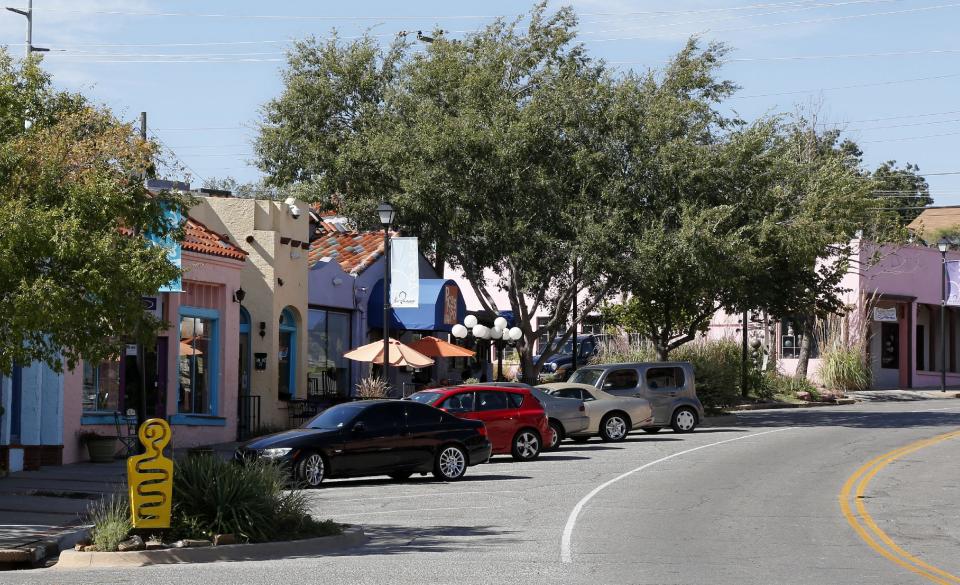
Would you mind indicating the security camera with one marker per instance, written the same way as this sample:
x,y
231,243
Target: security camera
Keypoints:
x,y
295,211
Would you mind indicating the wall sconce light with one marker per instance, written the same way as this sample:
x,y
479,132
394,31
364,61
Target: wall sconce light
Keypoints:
x,y
263,329
239,295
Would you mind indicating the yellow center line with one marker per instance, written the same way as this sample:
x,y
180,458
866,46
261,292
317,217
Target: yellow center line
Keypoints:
x,y
871,533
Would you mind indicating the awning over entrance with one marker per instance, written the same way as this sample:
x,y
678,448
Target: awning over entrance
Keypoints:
x,y
441,307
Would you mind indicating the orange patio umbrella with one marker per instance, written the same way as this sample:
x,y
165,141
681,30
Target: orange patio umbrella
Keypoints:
x,y
435,347
400,354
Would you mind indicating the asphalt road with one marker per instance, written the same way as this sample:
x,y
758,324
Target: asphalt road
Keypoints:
x,y
755,503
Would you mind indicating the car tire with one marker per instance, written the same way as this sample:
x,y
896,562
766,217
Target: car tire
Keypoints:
x,y
614,427
556,429
581,439
526,445
403,476
311,469
651,430
684,420
450,463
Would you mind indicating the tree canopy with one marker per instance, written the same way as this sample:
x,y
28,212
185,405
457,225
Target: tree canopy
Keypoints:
x,y
511,152
74,254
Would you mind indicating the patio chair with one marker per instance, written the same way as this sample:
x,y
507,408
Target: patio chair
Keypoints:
x,y
126,433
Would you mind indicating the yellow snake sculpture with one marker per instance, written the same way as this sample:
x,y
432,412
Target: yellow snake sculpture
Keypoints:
x,y
150,477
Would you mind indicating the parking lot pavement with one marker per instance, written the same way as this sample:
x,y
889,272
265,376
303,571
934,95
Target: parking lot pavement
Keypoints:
x,y
752,503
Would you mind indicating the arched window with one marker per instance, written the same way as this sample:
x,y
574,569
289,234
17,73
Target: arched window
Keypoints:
x,y
287,356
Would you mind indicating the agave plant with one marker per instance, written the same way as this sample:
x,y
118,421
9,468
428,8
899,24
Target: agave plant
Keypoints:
x,y
372,388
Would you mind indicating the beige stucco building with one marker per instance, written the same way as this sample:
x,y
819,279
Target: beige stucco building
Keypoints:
x,y
272,339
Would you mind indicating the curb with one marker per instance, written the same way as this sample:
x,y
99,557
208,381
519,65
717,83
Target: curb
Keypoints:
x,y
352,536
35,552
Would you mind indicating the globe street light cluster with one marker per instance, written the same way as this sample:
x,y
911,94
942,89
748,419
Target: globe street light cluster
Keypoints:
x,y
498,331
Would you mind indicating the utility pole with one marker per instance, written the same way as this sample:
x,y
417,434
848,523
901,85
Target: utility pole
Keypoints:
x,y
141,361
28,14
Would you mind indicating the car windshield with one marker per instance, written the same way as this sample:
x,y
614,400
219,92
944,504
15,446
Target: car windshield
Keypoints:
x,y
335,417
424,397
586,376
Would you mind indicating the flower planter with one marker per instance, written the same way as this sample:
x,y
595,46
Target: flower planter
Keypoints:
x,y
101,449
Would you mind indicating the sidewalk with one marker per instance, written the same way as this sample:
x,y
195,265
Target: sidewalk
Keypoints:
x,y
903,395
41,512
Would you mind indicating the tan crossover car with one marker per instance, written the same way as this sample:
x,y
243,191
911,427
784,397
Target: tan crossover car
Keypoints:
x,y
611,417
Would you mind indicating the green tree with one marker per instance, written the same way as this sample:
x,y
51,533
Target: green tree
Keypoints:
x,y
74,260
487,146
903,189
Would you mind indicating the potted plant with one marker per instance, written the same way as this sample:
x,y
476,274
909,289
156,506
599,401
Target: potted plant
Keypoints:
x,y
101,448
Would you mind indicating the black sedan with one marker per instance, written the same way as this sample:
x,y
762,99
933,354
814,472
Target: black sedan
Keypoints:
x,y
376,437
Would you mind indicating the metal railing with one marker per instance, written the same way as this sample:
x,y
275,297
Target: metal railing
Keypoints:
x,y
248,416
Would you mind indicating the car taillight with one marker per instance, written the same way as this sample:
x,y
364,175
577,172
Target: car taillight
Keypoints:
x,y
482,430
582,408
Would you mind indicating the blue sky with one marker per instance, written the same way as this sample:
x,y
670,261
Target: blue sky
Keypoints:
x,y
886,71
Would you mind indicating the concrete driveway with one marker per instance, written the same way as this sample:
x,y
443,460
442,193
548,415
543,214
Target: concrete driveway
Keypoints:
x,y
758,502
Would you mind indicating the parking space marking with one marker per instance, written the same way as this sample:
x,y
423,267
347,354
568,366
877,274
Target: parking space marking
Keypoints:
x,y
440,494
566,554
417,510
863,523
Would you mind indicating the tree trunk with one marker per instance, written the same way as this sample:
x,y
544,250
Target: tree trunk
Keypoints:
x,y
805,341
663,352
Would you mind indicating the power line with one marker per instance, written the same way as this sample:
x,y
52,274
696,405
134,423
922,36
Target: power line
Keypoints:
x,y
847,55
854,86
808,21
933,122
910,138
903,117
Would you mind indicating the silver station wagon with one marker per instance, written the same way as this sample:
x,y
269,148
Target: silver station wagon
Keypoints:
x,y
669,386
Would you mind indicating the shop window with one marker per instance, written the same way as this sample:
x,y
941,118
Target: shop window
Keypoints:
x,y
287,356
198,361
101,387
591,325
791,338
328,338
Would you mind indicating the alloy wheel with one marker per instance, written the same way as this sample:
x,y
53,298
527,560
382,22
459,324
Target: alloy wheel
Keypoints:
x,y
452,462
528,445
616,428
313,470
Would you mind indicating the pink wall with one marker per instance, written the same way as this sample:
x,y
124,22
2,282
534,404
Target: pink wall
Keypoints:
x,y
209,282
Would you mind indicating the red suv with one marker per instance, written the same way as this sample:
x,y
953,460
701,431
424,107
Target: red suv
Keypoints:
x,y
515,420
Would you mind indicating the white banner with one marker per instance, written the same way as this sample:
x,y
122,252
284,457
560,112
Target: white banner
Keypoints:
x,y
404,273
953,283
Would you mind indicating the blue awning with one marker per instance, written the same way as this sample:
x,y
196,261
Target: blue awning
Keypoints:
x,y
441,307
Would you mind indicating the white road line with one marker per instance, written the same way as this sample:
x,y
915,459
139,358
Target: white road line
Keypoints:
x,y
418,510
566,555
423,495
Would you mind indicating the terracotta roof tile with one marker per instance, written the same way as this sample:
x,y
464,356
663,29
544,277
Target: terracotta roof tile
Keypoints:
x,y
933,219
354,251
199,238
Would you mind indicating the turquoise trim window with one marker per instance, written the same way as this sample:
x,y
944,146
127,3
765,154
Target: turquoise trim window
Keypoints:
x,y
198,361
287,356
101,387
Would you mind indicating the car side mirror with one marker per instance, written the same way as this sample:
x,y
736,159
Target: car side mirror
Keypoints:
x,y
359,427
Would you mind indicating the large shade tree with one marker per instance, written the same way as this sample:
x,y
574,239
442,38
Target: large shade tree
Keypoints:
x,y
488,146
75,258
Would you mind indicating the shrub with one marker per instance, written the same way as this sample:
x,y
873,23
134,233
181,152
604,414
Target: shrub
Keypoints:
x,y
776,384
213,496
111,522
371,388
845,368
716,365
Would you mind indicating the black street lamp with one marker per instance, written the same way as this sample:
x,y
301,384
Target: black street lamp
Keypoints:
x,y
943,246
387,214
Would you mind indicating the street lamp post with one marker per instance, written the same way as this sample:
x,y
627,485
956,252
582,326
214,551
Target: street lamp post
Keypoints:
x,y
943,246
499,334
387,214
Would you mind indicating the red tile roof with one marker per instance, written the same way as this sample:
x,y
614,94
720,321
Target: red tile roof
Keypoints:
x,y
354,251
199,238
